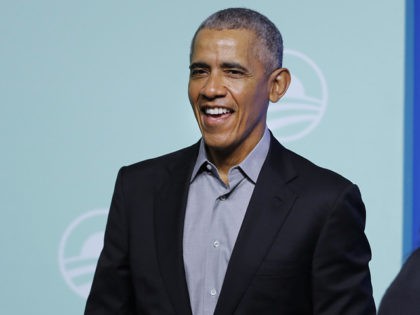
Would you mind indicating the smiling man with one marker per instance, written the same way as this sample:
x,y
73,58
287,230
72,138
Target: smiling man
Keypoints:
x,y
229,90
235,224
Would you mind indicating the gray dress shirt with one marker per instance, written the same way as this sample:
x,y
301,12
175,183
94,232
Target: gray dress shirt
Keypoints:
x,y
213,218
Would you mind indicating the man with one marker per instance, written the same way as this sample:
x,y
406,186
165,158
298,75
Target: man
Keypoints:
x,y
403,295
235,224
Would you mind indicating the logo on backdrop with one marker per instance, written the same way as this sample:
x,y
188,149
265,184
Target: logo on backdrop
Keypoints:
x,y
79,250
304,103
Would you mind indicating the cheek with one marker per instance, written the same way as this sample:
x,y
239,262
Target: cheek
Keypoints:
x,y
237,87
192,92
246,89
245,96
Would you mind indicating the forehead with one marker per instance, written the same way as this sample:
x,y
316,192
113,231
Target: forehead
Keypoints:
x,y
226,42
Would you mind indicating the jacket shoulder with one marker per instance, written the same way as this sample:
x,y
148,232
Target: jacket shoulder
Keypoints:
x,y
158,167
312,172
306,172
312,181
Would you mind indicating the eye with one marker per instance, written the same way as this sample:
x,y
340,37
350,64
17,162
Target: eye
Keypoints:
x,y
197,72
235,72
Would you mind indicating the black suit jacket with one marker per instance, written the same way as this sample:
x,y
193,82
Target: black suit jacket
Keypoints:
x,y
301,248
403,295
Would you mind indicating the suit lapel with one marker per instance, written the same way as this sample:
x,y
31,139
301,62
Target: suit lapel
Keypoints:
x,y
169,224
268,208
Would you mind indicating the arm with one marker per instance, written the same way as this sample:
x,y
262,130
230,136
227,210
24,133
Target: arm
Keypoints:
x,y
111,291
341,279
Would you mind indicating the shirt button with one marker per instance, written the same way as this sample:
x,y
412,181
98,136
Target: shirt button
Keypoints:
x,y
216,244
213,292
208,166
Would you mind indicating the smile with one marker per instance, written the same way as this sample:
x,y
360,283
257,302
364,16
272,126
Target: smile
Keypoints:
x,y
216,111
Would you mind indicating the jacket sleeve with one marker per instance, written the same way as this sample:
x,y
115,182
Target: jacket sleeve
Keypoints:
x,y
111,291
341,281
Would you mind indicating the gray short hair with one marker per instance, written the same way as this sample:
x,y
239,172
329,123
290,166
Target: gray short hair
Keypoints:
x,y
271,50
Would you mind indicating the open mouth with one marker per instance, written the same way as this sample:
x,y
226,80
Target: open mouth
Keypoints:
x,y
216,111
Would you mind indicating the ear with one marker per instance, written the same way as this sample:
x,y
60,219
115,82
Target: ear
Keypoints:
x,y
279,82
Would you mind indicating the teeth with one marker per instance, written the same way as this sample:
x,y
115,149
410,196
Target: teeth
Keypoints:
x,y
216,111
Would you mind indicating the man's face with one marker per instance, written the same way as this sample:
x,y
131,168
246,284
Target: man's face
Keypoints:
x,y
228,90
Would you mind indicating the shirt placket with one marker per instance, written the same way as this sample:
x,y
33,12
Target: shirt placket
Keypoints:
x,y
214,246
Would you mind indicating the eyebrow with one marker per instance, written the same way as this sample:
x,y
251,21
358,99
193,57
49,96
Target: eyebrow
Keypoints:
x,y
199,65
224,65
233,65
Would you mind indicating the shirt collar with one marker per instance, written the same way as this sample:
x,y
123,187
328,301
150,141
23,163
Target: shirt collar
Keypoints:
x,y
251,165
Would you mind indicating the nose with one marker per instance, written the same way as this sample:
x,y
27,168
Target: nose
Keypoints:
x,y
213,86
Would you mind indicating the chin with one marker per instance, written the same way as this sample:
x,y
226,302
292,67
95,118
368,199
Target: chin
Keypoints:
x,y
219,145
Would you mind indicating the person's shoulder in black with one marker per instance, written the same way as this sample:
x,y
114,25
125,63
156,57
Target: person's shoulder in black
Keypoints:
x,y
403,295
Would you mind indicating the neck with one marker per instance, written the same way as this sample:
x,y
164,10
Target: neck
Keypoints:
x,y
225,158
223,161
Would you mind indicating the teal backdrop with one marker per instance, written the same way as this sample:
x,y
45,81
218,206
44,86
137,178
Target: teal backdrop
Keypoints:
x,y
89,86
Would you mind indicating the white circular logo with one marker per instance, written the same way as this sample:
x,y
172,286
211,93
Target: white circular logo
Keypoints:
x,y
79,250
304,103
